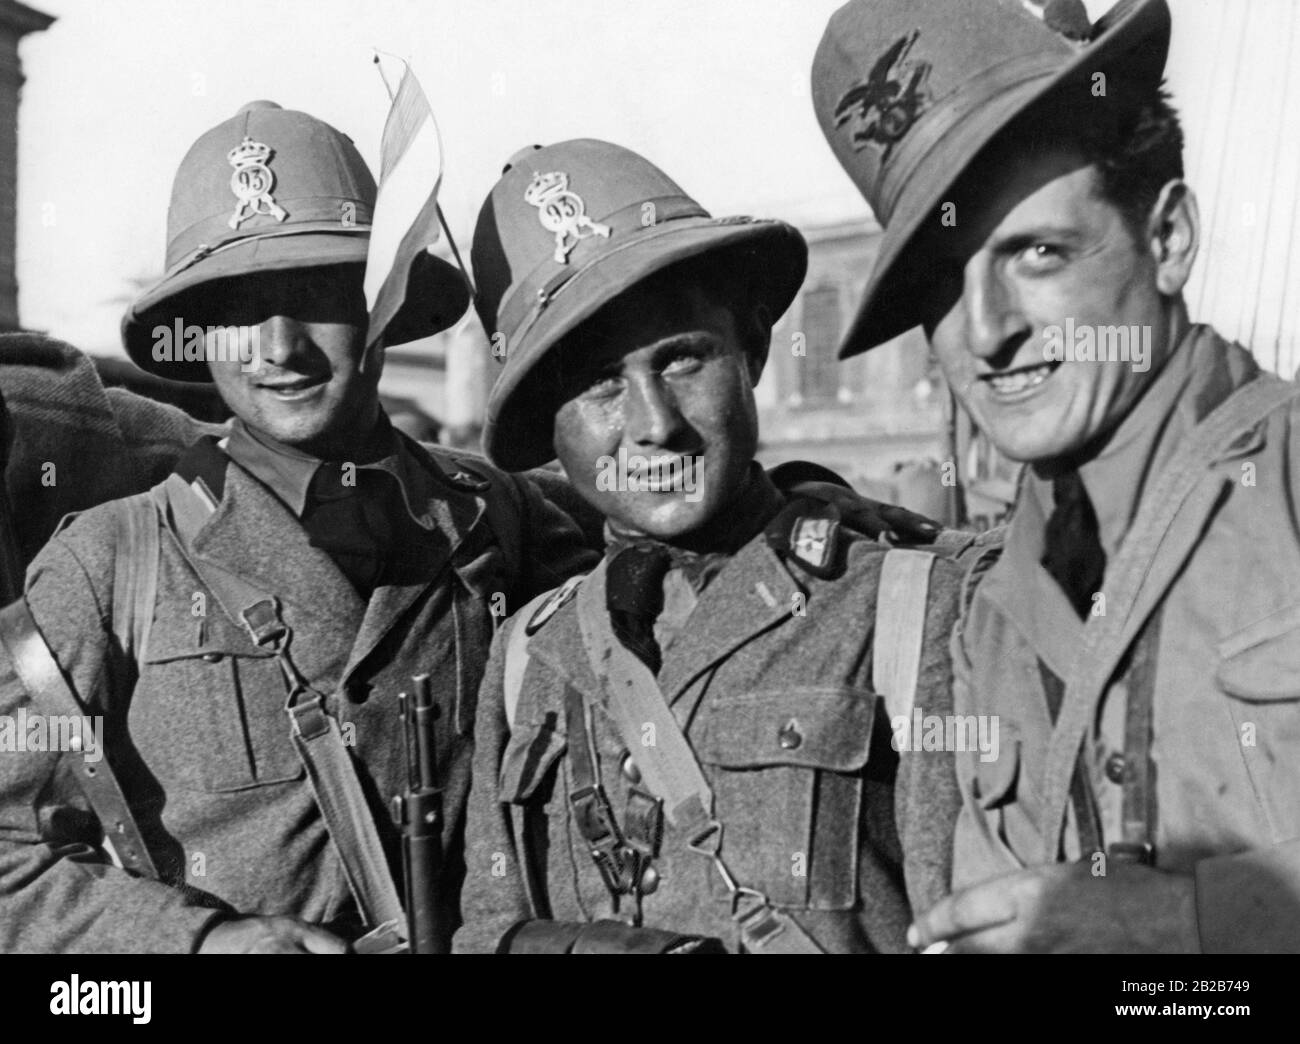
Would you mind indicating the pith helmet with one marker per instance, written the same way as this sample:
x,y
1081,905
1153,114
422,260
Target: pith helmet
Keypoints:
x,y
268,190
567,229
908,92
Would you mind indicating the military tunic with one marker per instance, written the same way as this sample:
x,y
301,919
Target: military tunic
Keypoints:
x,y
199,729
769,675
1225,717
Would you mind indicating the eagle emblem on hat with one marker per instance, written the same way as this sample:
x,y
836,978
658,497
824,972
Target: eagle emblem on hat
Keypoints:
x,y
562,212
252,182
884,106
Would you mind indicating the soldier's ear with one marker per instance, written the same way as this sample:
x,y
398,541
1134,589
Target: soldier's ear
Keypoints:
x,y
757,339
1173,232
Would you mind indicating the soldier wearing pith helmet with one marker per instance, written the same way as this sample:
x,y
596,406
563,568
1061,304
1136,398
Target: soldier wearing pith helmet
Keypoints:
x,y
690,748
245,627
1135,629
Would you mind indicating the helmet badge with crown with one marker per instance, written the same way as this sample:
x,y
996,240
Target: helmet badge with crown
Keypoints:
x,y
562,212
252,182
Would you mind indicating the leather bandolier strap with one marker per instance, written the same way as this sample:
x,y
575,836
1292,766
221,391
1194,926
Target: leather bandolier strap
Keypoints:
x,y
39,674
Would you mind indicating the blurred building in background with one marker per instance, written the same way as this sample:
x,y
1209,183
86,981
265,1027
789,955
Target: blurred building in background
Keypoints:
x,y
883,420
16,21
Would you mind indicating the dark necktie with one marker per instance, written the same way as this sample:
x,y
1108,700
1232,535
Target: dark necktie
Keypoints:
x,y
634,596
351,522
1073,555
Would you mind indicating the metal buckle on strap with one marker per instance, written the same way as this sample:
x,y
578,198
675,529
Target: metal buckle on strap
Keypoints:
x,y
619,863
263,621
643,822
759,923
1142,853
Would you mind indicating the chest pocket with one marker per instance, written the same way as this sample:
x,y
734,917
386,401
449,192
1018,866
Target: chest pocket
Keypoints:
x,y
208,709
1259,671
786,767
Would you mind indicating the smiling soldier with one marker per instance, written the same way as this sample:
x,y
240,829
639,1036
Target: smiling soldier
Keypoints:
x,y
246,627
690,748
1136,634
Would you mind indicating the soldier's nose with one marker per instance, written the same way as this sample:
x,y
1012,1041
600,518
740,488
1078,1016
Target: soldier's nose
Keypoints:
x,y
282,340
995,324
653,418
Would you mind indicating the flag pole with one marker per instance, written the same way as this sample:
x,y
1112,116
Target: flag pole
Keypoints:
x,y
442,218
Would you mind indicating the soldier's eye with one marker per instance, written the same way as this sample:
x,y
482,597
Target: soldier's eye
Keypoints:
x,y
683,363
1042,257
601,386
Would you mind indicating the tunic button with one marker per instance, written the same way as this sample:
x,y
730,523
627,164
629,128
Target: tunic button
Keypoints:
x,y
790,737
1115,768
649,880
628,767
212,657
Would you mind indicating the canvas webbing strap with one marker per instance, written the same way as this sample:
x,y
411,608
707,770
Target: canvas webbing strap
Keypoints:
x,y
901,599
39,674
517,657
1105,637
315,733
635,703
135,573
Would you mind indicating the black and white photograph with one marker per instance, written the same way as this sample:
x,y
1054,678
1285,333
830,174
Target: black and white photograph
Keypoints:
x,y
678,477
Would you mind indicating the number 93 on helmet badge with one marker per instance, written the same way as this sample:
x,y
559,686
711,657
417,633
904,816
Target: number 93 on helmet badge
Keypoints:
x,y
252,182
562,212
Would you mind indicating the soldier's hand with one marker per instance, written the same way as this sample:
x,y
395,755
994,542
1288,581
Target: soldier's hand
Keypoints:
x,y
871,518
270,935
1066,909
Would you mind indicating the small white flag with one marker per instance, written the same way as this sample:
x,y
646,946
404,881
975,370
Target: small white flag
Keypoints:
x,y
406,210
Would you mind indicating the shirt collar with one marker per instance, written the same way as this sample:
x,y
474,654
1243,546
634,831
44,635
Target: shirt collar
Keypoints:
x,y
288,472
1197,377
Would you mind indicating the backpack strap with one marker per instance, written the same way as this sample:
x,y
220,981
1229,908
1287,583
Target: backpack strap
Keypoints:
x,y
135,572
673,773
315,733
527,622
901,598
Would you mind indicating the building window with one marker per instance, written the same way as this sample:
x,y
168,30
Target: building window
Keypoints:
x,y
819,373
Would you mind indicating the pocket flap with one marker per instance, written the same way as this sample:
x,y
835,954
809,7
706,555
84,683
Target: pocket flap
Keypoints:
x,y
527,760
177,636
826,728
1261,663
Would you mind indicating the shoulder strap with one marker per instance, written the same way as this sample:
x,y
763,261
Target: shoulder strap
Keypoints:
x,y
41,677
672,772
1105,638
135,573
517,656
901,598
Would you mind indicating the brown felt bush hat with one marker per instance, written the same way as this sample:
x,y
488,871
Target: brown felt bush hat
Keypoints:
x,y
268,190
567,229
908,92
